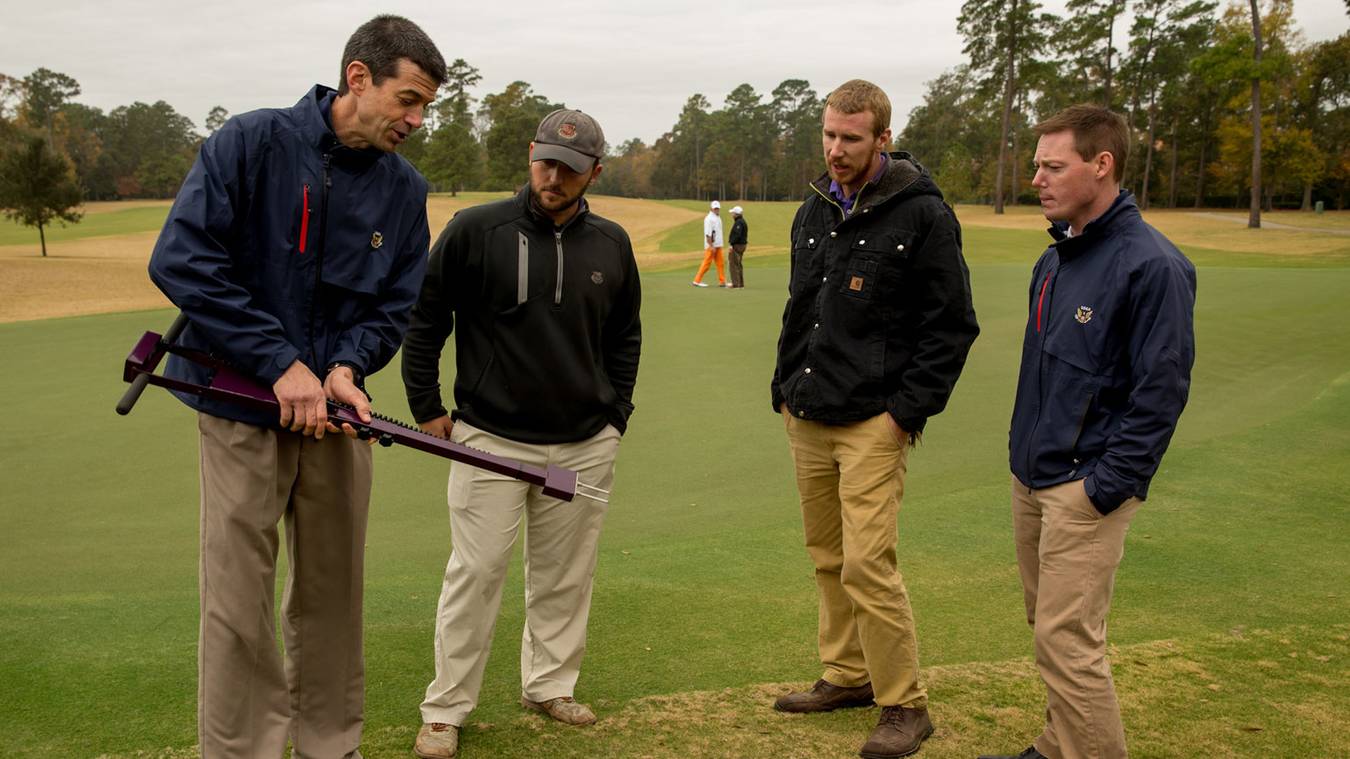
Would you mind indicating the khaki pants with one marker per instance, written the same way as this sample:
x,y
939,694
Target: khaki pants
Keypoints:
x,y
851,480
561,540
1067,553
249,702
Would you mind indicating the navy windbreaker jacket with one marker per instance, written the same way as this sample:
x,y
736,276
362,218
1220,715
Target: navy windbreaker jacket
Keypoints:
x,y
1106,360
284,244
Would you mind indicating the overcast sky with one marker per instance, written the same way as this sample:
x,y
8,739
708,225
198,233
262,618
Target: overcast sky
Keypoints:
x,y
631,63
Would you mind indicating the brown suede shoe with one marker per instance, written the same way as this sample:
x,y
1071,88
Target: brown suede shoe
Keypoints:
x,y
898,733
825,696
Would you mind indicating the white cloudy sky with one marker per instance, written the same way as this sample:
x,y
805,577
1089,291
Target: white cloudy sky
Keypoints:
x,y
631,63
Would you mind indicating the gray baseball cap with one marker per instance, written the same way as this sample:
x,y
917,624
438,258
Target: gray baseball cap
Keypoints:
x,y
571,137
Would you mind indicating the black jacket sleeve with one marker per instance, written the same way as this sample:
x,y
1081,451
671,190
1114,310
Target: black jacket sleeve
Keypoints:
x,y
622,340
432,319
942,321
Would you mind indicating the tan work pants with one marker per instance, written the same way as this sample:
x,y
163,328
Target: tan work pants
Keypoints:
x,y
249,702
851,479
1067,553
561,541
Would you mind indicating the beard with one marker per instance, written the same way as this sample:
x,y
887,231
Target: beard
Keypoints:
x,y
558,200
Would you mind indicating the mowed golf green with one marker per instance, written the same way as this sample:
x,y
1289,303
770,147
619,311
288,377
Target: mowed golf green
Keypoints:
x,y
1230,627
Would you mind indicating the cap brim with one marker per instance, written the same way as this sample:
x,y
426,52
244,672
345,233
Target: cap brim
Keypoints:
x,y
576,161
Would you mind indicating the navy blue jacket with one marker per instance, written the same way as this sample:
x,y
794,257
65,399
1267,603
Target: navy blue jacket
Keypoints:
x,y
1106,361
284,244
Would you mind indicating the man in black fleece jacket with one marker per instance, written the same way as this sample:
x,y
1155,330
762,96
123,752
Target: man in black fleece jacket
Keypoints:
x,y
546,295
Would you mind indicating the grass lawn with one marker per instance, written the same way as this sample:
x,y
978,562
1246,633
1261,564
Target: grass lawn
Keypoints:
x,y
1230,628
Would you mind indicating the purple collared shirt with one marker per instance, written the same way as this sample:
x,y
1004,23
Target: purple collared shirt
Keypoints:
x,y
847,203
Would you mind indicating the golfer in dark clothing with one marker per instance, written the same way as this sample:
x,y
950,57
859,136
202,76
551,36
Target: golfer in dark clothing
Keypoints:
x,y
737,240
1106,367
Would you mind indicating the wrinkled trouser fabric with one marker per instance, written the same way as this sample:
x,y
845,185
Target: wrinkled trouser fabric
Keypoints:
x,y
250,700
711,256
561,543
1067,554
851,480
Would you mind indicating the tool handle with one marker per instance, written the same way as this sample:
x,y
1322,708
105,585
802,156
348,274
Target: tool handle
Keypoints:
x,y
138,384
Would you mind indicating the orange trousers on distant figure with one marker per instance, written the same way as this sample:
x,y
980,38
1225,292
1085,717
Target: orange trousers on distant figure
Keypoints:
x,y
711,256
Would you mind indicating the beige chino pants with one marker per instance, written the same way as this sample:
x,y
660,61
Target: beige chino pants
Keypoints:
x,y
1067,554
851,480
249,700
561,543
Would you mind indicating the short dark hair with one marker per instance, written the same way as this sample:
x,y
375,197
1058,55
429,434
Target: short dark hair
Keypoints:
x,y
858,95
384,40
1096,130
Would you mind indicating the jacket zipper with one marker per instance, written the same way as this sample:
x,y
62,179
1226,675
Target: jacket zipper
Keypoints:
x,y
1041,301
1040,367
557,293
304,221
318,264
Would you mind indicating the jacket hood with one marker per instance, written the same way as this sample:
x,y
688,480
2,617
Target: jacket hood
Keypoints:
x,y
905,177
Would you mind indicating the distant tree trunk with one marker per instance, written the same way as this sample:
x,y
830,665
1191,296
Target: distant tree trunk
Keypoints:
x,y
1016,183
1110,36
43,237
1254,214
1148,157
1007,110
1307,196
1172,172
1200,174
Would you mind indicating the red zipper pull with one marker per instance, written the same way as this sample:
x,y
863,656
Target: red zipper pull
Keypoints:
x,y
304,222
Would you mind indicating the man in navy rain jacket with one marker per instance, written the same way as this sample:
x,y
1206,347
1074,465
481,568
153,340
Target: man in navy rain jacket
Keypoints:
x,y
296,248
1106,365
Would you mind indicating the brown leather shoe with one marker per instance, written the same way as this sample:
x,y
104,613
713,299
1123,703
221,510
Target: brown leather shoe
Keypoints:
x,y
825,696
898,733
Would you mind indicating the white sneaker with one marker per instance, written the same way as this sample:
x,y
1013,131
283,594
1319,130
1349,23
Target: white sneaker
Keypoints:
x,y
699,284
437,741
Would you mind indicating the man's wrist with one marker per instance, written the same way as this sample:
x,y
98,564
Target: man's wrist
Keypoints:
x,y
357,376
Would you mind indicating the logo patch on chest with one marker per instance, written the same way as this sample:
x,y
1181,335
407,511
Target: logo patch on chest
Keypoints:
x,y
1083,315
598,277
376,240
855,284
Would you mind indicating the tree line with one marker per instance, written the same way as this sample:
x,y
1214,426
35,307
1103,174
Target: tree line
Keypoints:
x,y
1222,103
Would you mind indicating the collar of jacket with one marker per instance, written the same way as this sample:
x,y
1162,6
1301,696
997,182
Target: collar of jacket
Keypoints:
x,y
902,175
314,113
1122,209
541,219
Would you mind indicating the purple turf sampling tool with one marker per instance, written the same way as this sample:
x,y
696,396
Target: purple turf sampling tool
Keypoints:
x,y
229,385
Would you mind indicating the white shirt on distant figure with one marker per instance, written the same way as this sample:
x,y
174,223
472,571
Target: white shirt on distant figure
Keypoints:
x,y
712,227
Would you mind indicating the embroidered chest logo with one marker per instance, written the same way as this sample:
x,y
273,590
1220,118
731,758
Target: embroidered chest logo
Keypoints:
x,y
855,284
598,277
1083,315
376,240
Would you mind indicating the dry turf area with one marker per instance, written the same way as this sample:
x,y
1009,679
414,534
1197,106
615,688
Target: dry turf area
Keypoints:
x,y
95,275
1177,700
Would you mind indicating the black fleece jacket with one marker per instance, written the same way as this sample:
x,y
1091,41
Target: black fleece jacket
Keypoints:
x,y
879,314
548,335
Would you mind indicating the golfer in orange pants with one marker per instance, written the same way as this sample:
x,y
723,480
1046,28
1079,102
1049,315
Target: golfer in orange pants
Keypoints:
x,y
712,247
